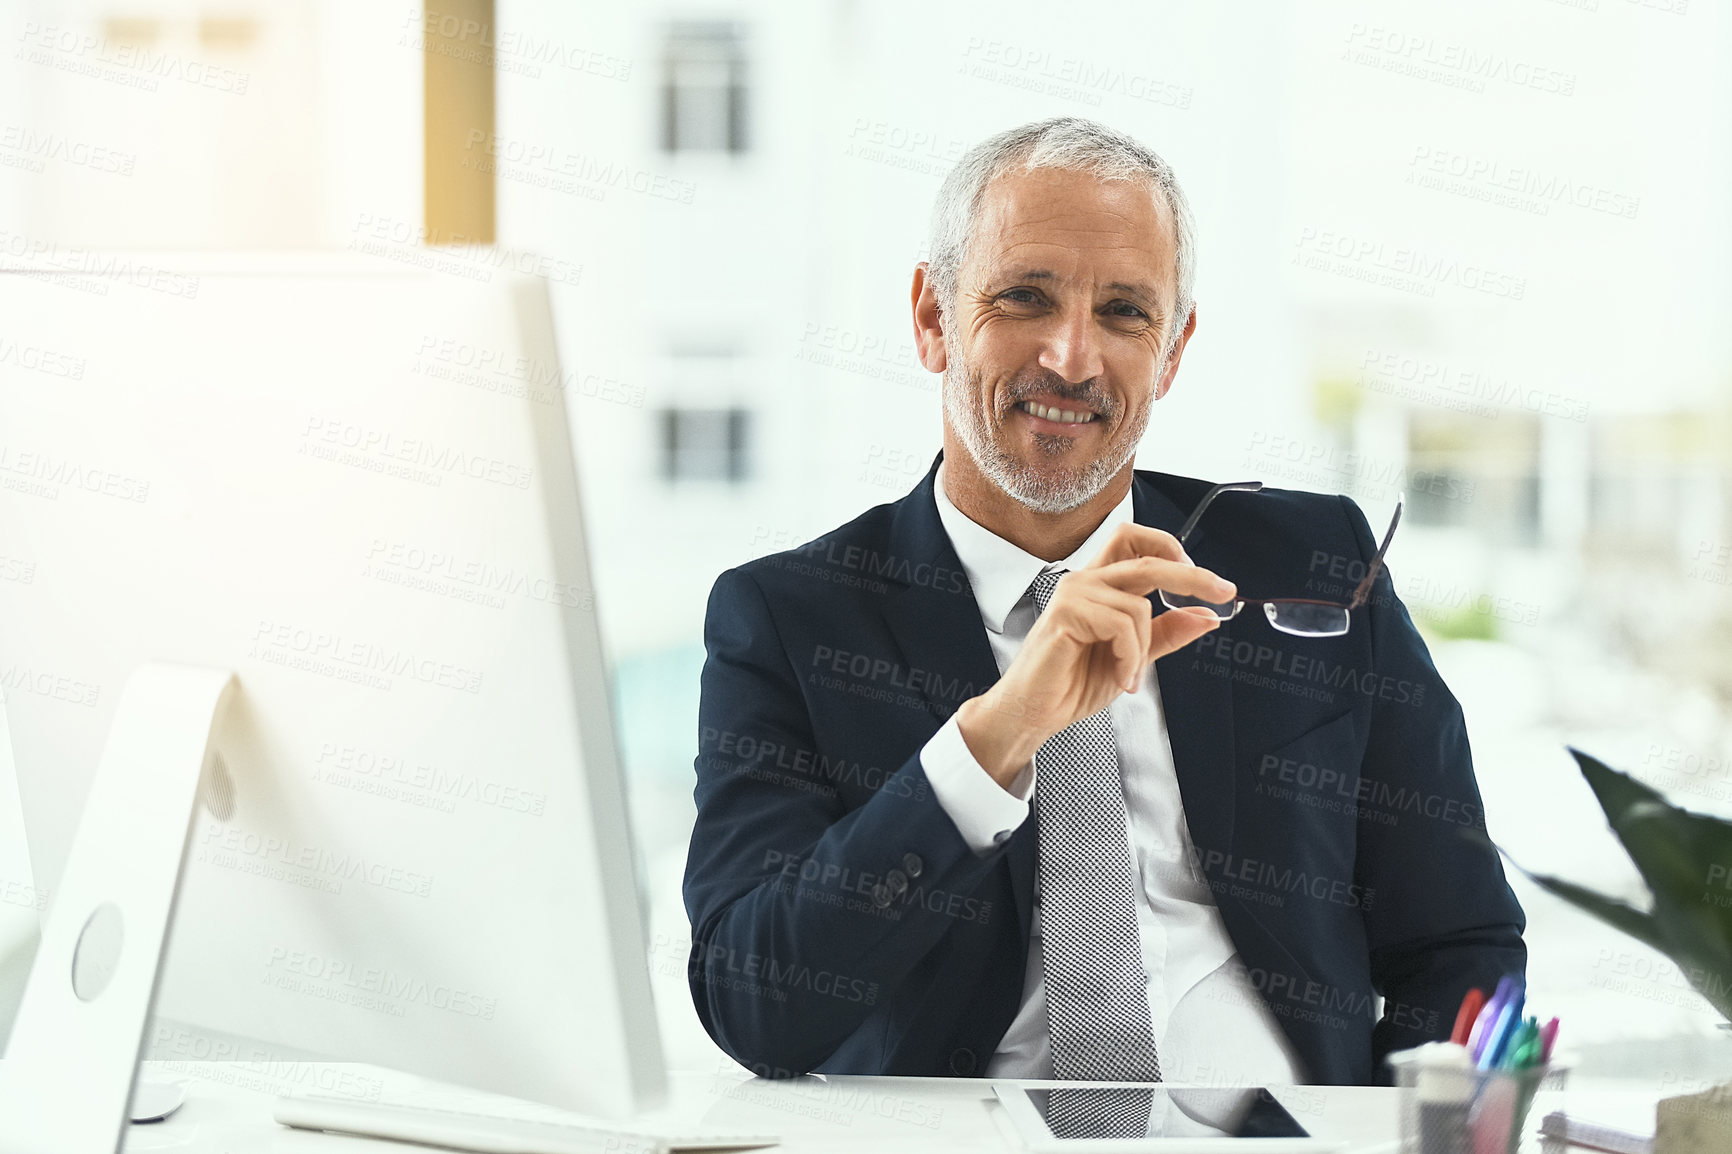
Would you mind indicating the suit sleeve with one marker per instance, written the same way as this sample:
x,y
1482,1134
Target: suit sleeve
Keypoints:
x,y
1443,919
797,933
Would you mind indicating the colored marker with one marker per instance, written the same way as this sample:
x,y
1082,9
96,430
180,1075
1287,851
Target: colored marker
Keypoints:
x,y
1498,1036
1522,1047
1467,1015
1548,1039
1488,1017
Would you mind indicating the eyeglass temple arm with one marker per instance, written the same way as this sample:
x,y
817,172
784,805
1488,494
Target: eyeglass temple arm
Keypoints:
x,y
1203,505
1376,566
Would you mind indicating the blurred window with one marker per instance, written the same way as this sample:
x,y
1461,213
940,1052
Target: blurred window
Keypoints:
x,y
1647,469
704,88
704,444
1477,473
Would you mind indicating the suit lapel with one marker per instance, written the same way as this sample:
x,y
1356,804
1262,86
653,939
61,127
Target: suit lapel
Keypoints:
x,y
935,622
1198,707
939,629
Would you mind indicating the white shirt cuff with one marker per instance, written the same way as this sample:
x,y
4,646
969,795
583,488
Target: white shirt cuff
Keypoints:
x,y
985,813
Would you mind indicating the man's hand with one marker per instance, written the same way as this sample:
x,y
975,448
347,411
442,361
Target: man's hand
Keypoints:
x,y
1091,643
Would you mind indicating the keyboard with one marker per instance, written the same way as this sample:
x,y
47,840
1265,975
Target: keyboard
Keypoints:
x,y
495,1133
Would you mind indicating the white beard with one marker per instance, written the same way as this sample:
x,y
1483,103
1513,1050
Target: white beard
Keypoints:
x,y
1042,491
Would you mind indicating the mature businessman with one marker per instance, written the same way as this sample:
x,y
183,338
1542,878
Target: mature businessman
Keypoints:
x,y
973,801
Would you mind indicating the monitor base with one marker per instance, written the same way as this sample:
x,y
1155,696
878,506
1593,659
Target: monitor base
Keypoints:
x,y
67,1084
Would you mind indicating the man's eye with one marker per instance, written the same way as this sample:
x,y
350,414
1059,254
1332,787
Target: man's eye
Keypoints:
x,y
1126,309
1020,296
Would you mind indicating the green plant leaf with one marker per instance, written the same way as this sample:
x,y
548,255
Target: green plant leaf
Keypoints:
x,y
1700,956
1618,914
1712,980
1617,791
1677,852
1666,844
1686,859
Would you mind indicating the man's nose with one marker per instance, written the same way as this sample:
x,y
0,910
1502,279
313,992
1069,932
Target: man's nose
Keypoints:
x,y
1072,348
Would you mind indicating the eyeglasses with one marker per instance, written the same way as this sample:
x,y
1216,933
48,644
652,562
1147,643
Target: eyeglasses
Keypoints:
x,y
1300,616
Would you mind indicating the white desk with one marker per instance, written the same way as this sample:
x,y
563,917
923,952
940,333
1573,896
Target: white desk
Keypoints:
x,y
228,1110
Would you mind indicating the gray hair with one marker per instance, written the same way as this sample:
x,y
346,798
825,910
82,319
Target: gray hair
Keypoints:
x,y
1067,142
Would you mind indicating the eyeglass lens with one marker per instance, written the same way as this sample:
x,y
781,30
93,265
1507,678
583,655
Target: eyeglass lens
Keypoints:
x,y
1303,619
1222,609
1299,618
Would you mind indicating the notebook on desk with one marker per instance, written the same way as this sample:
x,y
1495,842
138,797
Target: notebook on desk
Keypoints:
x,y
1560,1130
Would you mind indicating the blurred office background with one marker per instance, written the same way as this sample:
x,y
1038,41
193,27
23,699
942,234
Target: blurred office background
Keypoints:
x,y
1480,252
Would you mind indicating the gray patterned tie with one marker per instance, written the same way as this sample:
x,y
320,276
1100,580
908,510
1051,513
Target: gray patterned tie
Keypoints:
x,y
1098,1112
1097,994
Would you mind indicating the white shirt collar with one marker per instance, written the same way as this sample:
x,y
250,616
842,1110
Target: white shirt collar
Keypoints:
x,y
1000,572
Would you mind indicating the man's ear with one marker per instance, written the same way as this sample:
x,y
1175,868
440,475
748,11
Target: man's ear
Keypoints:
x,y
928,322
1171,368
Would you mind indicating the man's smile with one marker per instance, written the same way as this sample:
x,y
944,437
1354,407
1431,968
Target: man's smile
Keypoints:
x,y
1053,416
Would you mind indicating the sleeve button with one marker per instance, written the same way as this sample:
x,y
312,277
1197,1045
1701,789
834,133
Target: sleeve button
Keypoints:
x,y
897,882
912,865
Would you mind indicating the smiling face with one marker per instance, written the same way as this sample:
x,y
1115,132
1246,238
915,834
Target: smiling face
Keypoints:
x,y
1053,349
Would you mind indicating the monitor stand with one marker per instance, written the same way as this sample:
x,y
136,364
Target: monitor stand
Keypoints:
x,y
20,921
67,1084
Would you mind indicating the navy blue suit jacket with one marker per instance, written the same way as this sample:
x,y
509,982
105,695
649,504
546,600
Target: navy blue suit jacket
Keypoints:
x,y
840,923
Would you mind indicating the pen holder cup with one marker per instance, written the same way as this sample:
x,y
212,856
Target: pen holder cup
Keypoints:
x,y
1448,1107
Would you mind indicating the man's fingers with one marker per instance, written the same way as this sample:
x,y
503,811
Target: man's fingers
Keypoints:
x,y
1107,617
1146,635
1144,575
1139,614
1128,650
1131,540
1133,605
1177,628
1095,608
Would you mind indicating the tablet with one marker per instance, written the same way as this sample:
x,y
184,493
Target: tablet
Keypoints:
x,y
1090,1119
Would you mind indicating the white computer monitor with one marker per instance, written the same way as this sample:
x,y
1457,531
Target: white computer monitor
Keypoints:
x,y
21,902
349,479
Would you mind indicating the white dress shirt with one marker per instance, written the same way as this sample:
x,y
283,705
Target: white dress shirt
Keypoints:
x,y
1210,1025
